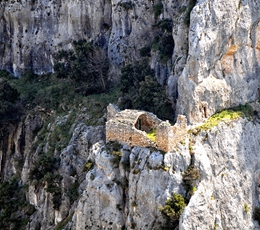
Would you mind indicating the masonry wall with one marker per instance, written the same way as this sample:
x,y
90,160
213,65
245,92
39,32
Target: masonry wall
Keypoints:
x,y
128,135
177,132
167,137
162,136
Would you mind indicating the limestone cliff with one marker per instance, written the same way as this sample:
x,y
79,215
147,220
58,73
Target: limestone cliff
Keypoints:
x,y
66,172
222,68
32,32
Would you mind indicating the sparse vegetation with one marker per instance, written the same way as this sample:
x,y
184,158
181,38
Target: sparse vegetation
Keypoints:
x,y
227,115
14,209
145,51
9,99
256,215
190,176
165,25
164,44
126,165
72,192
158,9
126,5
151,135
44,171
64,222
172,210
141,90
191,5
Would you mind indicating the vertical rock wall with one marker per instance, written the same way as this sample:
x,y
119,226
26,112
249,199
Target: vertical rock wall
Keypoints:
x,y
32,31
222,68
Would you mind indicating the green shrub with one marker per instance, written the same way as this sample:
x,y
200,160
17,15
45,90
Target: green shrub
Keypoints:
x,y
141,90
14,209
88,166
165,25
163,42
256,215
190,176
8,102
246,208
158,9
126,165
86,65
44,172
136,171
44,165
145,51
191,5
116,157
172,210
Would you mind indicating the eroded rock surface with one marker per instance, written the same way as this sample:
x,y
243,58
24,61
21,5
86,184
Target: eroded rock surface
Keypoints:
x,y
223,62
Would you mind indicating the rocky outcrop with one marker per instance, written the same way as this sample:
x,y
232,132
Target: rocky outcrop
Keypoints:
x,y
223,62
226,197
109,186
117,196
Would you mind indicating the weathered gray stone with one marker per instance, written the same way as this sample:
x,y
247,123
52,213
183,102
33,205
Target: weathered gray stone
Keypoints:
x,y
222,68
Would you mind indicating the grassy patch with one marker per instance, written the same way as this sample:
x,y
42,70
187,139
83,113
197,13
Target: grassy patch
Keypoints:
x,y
246,208
152,135
228,115
88,166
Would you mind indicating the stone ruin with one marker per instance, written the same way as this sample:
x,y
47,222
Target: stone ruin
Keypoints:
x,y
131,127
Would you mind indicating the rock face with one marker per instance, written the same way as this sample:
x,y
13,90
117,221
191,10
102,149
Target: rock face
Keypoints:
x,y
32,31
96,185
106,186
228,193
116,197
222,68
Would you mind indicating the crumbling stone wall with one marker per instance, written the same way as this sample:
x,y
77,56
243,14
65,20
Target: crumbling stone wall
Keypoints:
x,y
177,132
131,126
162,132
167,136
116,131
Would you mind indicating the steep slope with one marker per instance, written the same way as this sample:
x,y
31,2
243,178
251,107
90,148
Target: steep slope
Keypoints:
x,y
60,166
222,68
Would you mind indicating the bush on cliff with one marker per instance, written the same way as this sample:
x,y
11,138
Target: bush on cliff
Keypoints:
x,y
172,210
86,65
141,90
8,102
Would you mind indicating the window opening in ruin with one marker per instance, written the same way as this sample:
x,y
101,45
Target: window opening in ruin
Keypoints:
x,y
139,123
143,124
205,112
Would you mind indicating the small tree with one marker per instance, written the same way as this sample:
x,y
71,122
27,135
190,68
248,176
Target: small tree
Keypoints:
x,y
142,91
8,98
172,210
85,65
